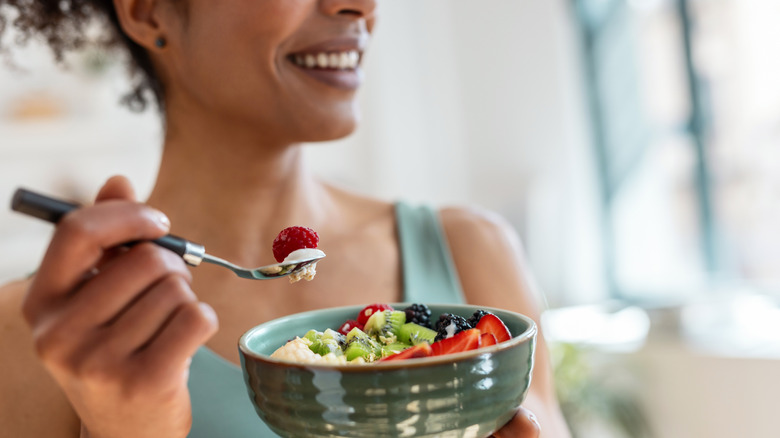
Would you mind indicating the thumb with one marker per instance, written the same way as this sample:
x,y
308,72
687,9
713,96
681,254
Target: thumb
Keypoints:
x,y
117,187
522,425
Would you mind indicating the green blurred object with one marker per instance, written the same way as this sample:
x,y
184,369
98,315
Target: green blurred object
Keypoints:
x,y
472,393
591,395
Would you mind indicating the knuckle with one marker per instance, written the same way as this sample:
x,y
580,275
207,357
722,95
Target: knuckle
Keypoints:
x,y
94,370
76,227
158,260
149,255
174,290
50,346
196,318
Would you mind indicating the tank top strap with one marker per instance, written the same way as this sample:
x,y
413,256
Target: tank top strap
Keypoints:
x,y
429,274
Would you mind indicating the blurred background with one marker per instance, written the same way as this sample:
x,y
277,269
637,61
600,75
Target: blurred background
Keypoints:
x,y
634,145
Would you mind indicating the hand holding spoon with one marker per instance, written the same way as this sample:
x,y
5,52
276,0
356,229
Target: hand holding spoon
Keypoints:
x,y
52,210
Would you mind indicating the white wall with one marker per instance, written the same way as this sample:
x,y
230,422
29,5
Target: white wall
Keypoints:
x,y
464,103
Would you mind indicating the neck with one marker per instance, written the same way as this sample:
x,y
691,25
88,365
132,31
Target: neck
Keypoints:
x,y
233,191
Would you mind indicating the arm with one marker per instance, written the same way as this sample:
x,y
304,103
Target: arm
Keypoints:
x,y
114,328
31,403
479,238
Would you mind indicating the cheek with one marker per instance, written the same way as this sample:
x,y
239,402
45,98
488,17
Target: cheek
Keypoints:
x,y
231,46
243,74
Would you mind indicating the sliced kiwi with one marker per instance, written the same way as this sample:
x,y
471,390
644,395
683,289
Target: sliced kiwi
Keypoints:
x,y
360,344
340,339
329,341
312,335
366,348
395,347
415,334
325,346
356,333
386,325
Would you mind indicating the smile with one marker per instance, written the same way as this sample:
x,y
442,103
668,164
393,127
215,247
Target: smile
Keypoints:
x,y
344,60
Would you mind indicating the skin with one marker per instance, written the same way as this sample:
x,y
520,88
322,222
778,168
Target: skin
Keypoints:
x,y
111,365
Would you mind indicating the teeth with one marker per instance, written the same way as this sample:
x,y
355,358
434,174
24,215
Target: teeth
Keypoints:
x,y
322,60
343,60
334,60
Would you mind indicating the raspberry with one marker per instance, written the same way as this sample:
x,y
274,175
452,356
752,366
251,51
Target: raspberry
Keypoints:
x,y
369,310
348,326
293,238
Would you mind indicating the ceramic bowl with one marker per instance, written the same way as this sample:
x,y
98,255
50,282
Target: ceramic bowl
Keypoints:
x,y
469,394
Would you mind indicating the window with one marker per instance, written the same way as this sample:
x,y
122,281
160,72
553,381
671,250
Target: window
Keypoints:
x,y
685,108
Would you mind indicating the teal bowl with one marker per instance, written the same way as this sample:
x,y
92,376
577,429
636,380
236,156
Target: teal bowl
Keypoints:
x,y
469,394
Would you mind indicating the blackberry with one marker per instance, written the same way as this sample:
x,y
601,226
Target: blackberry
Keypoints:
x,y
419,314
476,317
445,323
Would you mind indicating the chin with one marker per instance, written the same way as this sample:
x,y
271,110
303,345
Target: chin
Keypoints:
x,y
331,128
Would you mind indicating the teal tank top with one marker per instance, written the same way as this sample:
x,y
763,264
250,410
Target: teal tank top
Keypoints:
x,y
220,401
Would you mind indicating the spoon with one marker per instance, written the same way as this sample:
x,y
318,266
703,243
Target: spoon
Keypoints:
x,y
52,210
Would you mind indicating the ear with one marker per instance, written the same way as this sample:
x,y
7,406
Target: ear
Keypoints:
x,y
143,20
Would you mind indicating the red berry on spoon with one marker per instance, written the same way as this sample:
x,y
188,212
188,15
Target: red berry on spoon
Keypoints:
x,y
294,238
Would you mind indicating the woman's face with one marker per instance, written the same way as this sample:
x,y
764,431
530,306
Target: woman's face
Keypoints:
x,y
289,67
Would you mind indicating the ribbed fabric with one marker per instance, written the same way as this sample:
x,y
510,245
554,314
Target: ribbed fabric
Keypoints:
x,y
429,274
220,402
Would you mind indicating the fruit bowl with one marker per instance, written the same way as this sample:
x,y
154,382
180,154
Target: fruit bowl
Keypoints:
x,y
471,393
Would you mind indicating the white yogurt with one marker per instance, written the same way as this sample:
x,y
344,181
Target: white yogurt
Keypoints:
x,y
309,271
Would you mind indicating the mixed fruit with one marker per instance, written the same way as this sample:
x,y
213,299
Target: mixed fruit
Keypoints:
x,y
297,243
381,333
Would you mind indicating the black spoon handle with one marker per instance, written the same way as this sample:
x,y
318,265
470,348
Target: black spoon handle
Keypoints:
x,y
52,210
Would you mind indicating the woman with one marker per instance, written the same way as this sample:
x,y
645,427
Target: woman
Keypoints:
x,y
108,339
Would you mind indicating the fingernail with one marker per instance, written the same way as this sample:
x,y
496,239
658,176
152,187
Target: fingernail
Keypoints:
x,y
162,219
534,420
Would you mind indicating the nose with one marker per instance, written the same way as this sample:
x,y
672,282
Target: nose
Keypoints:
x,y
354,8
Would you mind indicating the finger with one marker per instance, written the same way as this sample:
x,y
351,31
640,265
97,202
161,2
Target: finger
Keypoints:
x,y
522,425
80,240
137,326
117,187
169,352
121,281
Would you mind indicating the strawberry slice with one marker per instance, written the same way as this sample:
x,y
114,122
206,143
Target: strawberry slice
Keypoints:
x,y
487,339
492,324
370,310
349,325
463,341
419,350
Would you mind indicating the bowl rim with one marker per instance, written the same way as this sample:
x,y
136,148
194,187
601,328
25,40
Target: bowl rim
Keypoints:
x,y
528,335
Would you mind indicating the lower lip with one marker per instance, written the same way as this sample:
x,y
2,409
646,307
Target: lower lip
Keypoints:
x,y
348,80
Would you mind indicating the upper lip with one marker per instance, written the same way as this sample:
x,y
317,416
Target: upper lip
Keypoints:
x,y
339,44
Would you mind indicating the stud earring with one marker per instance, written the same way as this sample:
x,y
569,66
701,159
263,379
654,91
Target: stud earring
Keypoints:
x,y
160,42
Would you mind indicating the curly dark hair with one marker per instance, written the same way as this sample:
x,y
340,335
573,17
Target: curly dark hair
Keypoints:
x,y
62,24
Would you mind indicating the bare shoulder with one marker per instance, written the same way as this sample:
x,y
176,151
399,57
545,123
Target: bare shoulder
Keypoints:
x,y
481,238
32,404
487,241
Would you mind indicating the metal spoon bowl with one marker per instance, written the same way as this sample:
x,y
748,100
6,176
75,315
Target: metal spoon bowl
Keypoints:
x,y
267,272
52,210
